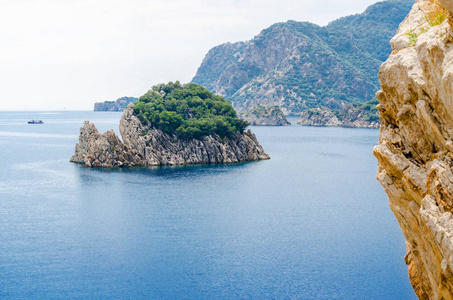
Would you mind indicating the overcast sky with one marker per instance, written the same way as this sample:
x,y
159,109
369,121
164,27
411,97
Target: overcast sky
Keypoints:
x,y
68,54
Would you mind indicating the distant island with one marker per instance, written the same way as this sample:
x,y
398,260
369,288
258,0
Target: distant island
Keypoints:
x,y
263,115
118,105
172,124
300,65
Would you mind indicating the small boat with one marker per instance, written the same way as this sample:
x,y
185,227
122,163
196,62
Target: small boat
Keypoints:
x,y
35,122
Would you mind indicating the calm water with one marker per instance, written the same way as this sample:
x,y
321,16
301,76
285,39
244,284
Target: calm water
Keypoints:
x,y
311,223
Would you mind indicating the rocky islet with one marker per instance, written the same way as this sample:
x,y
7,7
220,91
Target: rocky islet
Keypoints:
x,y
143,144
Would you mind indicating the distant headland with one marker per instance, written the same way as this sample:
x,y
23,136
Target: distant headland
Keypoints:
x,y
118,105
262,115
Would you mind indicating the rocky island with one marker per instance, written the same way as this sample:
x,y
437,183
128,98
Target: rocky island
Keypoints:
x,y
262,115
172,124
349,115
415,151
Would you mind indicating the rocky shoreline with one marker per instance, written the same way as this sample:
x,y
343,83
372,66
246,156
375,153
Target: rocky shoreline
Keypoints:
x,y
348,116
142,146
262,115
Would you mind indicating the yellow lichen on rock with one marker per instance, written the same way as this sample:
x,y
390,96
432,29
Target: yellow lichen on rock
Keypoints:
x,y
415,151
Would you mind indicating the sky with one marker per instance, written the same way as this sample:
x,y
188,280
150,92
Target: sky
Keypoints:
x,y
69,54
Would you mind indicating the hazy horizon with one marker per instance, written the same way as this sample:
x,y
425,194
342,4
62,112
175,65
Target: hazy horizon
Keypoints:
x,y
61,55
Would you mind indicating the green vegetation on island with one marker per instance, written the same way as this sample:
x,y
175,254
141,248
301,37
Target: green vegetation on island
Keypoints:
x,y
188,111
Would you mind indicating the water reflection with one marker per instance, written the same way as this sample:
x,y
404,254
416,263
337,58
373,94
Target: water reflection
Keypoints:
x,y
180,172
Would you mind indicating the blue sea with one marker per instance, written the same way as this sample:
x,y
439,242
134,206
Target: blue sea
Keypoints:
x,y
311,223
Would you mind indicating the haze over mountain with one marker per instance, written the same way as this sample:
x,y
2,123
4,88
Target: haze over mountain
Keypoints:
x,y
300,65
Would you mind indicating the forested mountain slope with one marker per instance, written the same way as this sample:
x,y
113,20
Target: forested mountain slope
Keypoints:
x,y
299,65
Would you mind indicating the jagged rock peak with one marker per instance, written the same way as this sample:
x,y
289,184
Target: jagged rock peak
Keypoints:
x,y
102,150
415,151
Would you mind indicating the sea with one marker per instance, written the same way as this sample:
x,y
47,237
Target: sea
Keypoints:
x,y
310,223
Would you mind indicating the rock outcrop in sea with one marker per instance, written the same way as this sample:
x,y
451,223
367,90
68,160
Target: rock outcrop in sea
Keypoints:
x,y
262,115
103,150
142,146
415,151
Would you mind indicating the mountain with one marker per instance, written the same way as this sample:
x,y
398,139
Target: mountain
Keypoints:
x,y
299,65
118,105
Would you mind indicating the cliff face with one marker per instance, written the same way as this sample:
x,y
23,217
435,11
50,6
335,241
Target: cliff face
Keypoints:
x,y
151,147
348,116
299,65
103,150
118,105
415,152
262,115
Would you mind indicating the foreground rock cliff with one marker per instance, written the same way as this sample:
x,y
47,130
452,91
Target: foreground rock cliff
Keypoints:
x,y
146,145
415,152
